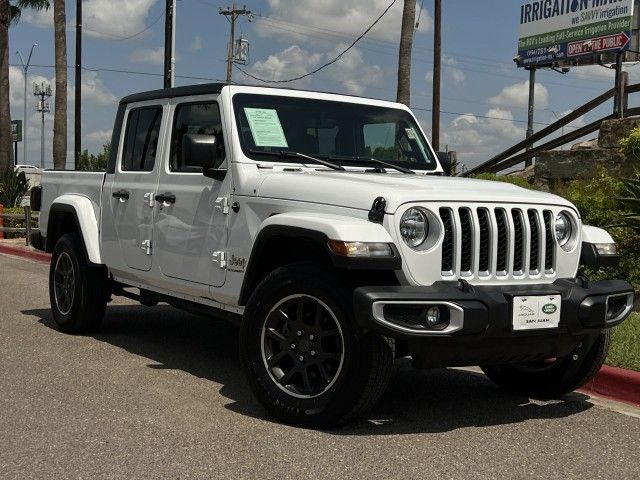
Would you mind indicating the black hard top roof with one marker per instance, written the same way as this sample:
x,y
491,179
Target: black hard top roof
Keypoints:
x,y
210,88
174,92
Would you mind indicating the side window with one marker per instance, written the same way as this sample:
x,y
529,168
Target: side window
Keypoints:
x,y
195,118
141,139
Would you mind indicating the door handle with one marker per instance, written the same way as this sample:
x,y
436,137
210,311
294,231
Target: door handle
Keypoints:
x,y
166,197
122,195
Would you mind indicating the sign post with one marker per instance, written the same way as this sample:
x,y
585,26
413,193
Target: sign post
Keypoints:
x,y
16,136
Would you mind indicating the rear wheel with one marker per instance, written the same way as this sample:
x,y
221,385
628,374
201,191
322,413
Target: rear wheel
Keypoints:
x,y
554,377
78,292
304,358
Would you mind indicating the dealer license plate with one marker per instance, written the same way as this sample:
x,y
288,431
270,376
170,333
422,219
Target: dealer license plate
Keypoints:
x,y
536,312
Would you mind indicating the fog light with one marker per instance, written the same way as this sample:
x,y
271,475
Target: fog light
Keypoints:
x,y
433,317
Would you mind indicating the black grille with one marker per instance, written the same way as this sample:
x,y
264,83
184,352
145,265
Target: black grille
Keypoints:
x,y
534,255
466,229
485,239
493,242
503,240
447,244
549,244
518,241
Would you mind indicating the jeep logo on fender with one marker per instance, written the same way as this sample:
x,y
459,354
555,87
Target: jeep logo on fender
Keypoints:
x,y
549,309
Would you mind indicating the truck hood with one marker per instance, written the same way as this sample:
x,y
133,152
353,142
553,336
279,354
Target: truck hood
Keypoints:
x,y
358,189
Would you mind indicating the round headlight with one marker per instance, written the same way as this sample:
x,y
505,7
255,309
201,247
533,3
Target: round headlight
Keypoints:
x,y
414,227
563,229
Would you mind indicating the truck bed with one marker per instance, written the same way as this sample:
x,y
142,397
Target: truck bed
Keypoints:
x,y
56,183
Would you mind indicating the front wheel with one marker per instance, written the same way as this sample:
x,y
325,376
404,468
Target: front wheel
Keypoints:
x,y
303,356
554,377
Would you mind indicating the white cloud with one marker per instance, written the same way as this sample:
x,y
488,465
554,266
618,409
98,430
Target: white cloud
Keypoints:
x,y
290,62
115,18
517,95
16,85
450,71
99,136
38,18
94,91
347,18
196,44
477,137
148,55
353,71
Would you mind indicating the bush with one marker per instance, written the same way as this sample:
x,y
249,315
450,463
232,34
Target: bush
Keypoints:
x,y
18,222
13,186
597,200
519,181
630,146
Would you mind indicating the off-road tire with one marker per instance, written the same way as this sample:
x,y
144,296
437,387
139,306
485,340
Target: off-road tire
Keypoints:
x,y
81,309
367,357
563,376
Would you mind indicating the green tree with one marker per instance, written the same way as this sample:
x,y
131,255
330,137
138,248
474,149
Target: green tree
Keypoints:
x,y
9,14
94,163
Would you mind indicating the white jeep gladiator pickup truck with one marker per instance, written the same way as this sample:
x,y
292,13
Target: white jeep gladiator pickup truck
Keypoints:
x,y
329,230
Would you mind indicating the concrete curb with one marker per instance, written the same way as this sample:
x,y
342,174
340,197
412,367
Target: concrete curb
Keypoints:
x,y
25,252
611,382
616,383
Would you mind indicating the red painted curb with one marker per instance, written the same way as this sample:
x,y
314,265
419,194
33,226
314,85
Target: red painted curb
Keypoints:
x,y
616,383
25,253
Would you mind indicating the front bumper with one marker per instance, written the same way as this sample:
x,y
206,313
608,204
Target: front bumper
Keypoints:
x,y
480,327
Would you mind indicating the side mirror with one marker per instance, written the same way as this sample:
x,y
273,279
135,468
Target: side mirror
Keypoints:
x,y
445,161
202,151
199,151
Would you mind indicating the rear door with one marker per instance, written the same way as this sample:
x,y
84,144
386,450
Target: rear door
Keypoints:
x,y
191,229
131,194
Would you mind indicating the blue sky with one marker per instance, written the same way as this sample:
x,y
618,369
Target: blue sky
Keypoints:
x,y
483,93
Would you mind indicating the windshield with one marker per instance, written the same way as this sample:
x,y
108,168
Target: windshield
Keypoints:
x,y
346,133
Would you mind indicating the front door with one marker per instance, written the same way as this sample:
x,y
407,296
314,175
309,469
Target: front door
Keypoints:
x,y
131,194
191,220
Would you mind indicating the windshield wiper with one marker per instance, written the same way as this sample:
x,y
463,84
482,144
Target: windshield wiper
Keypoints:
x,y
290,154
372,160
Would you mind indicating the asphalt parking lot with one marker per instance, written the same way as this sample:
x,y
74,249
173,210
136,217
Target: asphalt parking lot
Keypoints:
x,y
158,394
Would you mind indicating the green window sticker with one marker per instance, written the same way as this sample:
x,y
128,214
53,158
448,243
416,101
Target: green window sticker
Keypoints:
x,y
266,127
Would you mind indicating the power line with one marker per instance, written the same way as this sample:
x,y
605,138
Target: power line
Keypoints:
x,y
129,72
487,117
331,62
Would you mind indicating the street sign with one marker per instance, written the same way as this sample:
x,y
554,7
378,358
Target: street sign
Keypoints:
x,y
16,130
565,32
601,44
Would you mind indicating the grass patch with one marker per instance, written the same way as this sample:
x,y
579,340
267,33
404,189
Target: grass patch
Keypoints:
x,y
625,347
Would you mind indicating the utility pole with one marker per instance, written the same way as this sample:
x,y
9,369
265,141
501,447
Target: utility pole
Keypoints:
x,y
170,44
232,14
25,69
437,57
532,99
44,92
77,130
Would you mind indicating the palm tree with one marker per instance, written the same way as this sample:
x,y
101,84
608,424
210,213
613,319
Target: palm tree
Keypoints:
x,y
60,114
404,55
9,13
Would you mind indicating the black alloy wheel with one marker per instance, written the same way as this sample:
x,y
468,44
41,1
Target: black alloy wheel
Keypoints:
x,y
302,346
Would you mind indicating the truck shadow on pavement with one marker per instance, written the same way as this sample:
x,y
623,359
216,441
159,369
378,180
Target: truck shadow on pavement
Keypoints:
x,y
416,401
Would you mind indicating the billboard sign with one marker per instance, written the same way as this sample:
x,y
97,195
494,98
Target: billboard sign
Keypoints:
x,y
561,31
16,130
